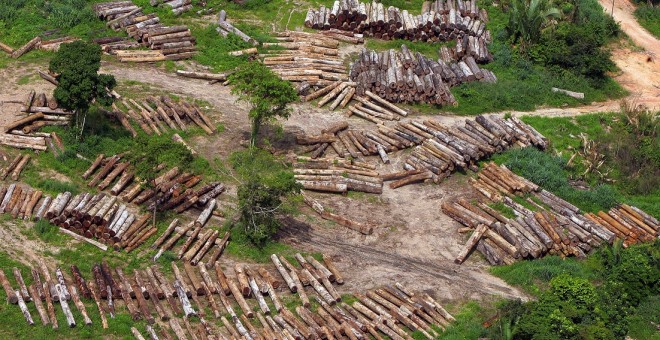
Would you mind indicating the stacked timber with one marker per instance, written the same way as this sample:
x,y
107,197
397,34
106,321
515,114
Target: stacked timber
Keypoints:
x,y
337,176
177,6
442,20
147,294
441,149
155,115
225,28
546,225
15,167
341,220
308,59
411,77
166,43
472,51
41,110
199,241
369,107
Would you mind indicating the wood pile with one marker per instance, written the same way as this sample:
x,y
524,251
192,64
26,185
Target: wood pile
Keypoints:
x,y
546,224
441,20
369,106
170,190
337,176
179,303
310,59
440,149
199,241
166,42
224,28
155,115
41,111
15,167
177,6
411,77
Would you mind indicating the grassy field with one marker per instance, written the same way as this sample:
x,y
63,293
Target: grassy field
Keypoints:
x,y
649,18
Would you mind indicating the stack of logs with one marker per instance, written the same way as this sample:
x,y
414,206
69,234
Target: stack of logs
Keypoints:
x,y
15,167
177,6
167,43
157,114
411,77
199,240
312,60
41,111
337,175
171,190
369,107
439,21
549,226
149,295
440,149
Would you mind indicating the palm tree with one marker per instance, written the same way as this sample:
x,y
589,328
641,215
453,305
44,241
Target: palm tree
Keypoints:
x,y
528,18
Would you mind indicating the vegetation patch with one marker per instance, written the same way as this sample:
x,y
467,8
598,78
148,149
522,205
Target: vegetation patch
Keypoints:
x,y
649,17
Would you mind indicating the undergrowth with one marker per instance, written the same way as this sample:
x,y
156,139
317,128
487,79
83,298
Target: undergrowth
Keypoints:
x,y
649,18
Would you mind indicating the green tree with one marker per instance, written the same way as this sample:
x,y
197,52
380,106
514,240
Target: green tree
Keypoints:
x,y
267,94
266,185
147,159
77,65
528,18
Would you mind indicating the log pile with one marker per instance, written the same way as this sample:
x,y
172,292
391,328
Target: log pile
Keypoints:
x,y
166,43
411,77
170,190
441,20
155,115
337,176
41,110
15,167
224,28
179,304
177,6
308,59
440,149
545,225
199,241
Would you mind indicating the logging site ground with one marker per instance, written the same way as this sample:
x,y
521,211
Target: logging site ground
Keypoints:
x,y
414,180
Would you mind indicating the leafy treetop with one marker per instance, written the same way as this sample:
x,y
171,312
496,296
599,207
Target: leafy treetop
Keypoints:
x,y
267,94
77,65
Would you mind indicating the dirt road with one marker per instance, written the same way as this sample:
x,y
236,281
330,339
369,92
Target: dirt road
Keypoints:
x,y
640,70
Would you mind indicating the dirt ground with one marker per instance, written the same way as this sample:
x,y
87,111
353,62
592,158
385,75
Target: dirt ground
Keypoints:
x,y
414,242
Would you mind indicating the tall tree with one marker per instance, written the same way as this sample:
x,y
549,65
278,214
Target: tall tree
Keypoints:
x,y
528,18
267,94
77,65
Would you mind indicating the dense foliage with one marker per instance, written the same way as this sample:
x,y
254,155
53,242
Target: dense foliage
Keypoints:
x,y
266,93
597,302
265,185
76,65
528,19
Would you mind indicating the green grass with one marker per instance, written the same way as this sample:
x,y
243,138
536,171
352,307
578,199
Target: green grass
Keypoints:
x,y
564,132
468,323
533,275
649,18
429,50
